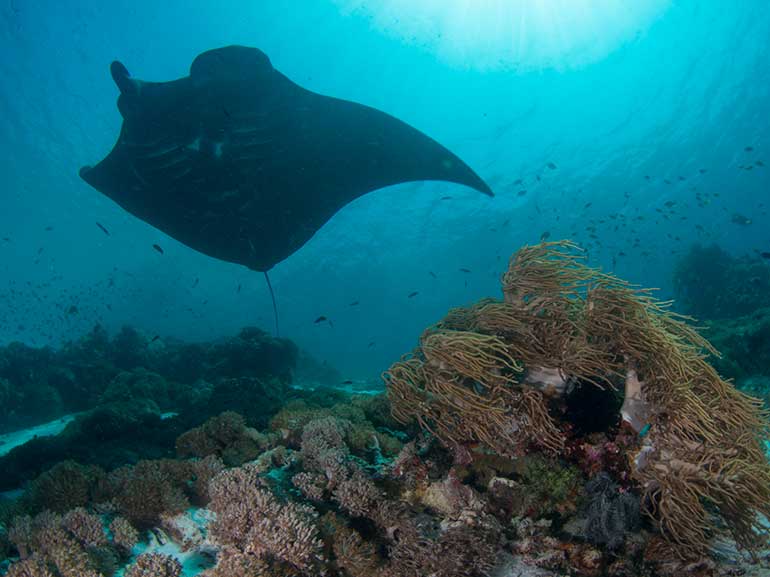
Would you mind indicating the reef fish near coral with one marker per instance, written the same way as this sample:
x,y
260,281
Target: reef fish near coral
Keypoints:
x,y
242,164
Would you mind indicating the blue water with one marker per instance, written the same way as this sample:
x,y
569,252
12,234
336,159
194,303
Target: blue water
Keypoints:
x,y
677,96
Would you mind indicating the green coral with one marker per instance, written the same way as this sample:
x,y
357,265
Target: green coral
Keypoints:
x,y
549,486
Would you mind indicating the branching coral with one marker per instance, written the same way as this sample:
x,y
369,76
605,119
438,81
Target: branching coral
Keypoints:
x,y
225,436
64,547
154,565
562,321
63,487
149,489
251,520
123,534
29,568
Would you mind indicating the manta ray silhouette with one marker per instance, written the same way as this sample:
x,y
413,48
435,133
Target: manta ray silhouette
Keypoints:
x,y
240,163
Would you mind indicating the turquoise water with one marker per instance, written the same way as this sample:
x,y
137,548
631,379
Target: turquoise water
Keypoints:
x,y
675,91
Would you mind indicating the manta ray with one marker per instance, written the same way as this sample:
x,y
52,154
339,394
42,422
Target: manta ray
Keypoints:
x,y
240,163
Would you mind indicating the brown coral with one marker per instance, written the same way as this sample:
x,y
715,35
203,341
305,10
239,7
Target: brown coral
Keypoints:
x,y
123,534
45,539
149,489
34,567
63,487
154,565
253,521
225,436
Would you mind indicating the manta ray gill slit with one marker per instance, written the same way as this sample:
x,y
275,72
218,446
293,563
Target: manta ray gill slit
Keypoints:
x,y
520,34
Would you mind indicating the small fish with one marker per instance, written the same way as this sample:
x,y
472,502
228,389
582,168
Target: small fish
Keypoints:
x,y
347,382
6,239
702,170
521,193
433,274
465,270
749,149
238,290
320,319
104,230
740,220
48,228
669,203
765,255
551,165
646,177
446,198
412,294
587,205
354,304
370,345
759,163
518,181
155,338
195,283
545,236
157,247
73,310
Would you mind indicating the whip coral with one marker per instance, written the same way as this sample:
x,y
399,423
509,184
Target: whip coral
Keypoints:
x,y
492,374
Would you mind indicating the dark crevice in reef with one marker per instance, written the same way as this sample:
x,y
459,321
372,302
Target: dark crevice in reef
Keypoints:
x,y
592,409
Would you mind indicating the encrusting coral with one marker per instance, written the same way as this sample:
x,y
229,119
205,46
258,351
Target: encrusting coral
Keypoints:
x,y
495,375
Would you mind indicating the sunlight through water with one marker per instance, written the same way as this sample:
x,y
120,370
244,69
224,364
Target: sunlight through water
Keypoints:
x,y
512,34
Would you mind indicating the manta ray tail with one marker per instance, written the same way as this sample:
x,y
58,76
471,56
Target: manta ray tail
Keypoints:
x,y
275,307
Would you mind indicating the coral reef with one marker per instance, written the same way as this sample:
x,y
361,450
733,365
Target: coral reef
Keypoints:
x,y
39,384
572,428
72,545
744,344
125,385
65,486
495,376
154,565
225,436
709,283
